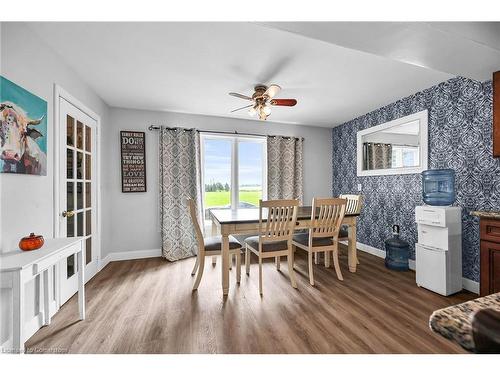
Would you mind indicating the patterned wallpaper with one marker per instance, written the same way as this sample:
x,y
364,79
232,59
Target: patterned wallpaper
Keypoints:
x,y
460,125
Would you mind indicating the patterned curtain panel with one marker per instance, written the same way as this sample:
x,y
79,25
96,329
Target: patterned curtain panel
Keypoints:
x,y
377,155
180,178
284,168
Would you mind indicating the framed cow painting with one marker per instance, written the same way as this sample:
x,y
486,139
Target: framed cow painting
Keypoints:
x,y
23,130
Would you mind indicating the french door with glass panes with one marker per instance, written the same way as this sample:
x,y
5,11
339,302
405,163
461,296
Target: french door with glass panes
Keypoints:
x,y
77,193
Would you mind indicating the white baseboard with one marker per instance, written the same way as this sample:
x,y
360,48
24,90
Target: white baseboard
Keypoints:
x,y
129,255
36,322
467,284
470,285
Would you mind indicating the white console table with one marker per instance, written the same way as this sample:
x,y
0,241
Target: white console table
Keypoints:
x,y
18,267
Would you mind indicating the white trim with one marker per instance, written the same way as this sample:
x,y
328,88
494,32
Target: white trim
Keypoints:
x,y
467,284
412,264
423,118
235,139
470,285
129,255
59,92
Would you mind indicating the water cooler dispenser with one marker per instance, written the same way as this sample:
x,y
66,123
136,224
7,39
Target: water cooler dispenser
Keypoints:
x,y
439,248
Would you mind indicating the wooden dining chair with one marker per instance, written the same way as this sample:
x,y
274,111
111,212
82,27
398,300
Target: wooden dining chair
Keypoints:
x,y
211,246
274,240
323,232
354,204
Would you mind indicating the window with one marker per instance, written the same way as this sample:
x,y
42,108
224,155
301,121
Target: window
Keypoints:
x,y
233,172
405,156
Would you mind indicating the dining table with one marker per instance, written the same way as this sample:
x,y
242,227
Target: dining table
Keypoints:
x,y
241,221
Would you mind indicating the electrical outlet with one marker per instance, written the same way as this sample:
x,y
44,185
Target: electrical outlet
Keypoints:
x,y
359,187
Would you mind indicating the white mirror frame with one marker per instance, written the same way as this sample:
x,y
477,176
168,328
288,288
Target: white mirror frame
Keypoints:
x,y
422,117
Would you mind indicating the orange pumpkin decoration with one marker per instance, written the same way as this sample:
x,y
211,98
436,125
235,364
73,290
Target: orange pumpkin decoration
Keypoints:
x,y
32,242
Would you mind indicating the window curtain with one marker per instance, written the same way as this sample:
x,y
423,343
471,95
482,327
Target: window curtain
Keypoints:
x,y
180,178
377,155
284,168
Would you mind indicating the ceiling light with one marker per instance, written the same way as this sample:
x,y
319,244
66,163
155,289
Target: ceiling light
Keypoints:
x,y
252,111
267,110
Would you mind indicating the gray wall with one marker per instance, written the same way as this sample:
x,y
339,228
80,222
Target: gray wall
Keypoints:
x,y
27,201
131,220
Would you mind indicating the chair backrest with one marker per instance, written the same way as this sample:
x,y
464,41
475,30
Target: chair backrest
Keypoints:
x,y
326,217
280,222
196,224
354,203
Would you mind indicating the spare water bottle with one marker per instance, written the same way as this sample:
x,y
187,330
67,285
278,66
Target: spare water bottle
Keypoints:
x,y
397,251
438,187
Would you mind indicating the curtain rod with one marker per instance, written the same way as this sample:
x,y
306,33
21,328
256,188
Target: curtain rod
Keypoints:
x,y
156,127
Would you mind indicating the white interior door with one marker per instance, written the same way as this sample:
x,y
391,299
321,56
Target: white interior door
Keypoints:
x,y
77,192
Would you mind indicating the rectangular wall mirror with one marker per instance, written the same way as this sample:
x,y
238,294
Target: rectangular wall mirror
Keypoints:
x,y
395,147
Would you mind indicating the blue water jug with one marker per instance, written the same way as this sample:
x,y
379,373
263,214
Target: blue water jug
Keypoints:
x,y
438,187
397,252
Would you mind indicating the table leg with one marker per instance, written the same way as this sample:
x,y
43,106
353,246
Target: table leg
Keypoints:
x,y
81,283
214,233
18,313
46,299
352,256
225,264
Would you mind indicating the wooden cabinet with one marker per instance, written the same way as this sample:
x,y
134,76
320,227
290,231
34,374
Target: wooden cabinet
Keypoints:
x,y
490,256
496,114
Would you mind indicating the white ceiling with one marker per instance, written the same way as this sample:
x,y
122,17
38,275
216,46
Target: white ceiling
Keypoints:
x,y
468,49
191,67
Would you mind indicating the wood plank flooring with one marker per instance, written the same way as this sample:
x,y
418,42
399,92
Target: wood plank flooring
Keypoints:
x,y
146,306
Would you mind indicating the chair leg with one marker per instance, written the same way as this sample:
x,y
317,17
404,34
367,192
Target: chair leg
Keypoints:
x,y
247,260
260,275
214,260
277,260
200,273
195,266
238,267
310,262
231,259
316,258
327,259
335,254
291,272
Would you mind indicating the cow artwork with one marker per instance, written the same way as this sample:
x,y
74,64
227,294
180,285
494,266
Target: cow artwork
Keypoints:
x,y
23,129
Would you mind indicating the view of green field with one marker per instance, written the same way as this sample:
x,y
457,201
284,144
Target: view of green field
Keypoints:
x,y
222,198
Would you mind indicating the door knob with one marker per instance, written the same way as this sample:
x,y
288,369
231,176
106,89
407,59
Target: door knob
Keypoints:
x,y
68,213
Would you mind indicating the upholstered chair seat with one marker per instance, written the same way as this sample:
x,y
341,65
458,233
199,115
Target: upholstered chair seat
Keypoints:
x,y
214,243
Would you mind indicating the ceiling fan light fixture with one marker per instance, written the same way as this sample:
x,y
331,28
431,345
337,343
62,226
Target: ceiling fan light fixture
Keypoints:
x,y
267,110
252,111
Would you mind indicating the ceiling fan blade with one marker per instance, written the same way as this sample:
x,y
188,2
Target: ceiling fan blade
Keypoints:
x,y
238,109
240,96
272,90
283,102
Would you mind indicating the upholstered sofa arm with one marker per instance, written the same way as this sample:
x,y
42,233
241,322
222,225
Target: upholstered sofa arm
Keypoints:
x,y
455,322
486,331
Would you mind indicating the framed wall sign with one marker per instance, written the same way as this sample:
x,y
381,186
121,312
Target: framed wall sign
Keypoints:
x,y
133,158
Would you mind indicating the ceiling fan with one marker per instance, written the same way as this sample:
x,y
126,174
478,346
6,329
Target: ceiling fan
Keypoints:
x,y
263,99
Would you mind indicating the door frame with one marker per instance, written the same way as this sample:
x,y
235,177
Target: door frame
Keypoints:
x,y
59,92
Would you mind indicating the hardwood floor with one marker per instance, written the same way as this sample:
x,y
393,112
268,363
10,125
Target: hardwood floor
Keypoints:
x,y
146,306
